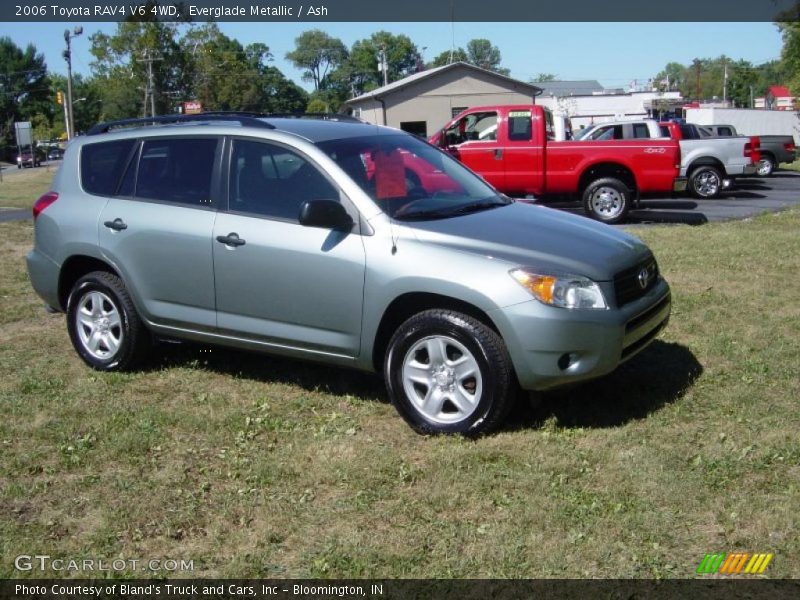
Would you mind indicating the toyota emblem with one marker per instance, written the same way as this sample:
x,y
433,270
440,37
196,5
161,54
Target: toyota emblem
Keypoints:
x,y
644,278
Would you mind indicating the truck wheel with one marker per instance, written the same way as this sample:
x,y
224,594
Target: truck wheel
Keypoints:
x,y
607,200
765,166
103,324
705,182
447,372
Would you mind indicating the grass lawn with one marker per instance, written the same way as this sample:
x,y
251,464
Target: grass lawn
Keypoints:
x,y
255,466
21,187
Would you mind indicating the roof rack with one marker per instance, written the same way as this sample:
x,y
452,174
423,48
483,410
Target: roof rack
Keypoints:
x,y
248,119
321,116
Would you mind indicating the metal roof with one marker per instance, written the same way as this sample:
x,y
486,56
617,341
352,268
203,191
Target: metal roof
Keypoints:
x,y
585,87
401,83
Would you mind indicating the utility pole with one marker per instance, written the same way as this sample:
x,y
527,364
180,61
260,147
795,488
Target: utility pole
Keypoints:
x,y
752,103
725,85
384,65
697,78
69,125
150,88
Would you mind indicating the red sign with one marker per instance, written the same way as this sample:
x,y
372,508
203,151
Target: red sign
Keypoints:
x,y
192,108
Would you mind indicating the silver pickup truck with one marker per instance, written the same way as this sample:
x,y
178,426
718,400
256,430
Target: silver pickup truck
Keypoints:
x,y
709,163
774,149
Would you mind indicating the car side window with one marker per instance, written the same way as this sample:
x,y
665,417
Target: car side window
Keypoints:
x,y
479,126
519,125
272,181
102,165
725,131
640,130
178,171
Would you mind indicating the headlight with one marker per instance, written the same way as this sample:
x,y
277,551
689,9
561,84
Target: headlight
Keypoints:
x,y
563,291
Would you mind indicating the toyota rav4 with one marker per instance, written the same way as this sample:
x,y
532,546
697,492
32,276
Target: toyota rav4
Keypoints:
x,y
341,242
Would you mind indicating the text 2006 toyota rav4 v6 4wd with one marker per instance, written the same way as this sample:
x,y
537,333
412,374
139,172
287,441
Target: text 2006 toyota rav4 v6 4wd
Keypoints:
x,y
342,242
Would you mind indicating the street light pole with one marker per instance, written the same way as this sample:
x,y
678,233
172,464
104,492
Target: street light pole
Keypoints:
x,y
70,124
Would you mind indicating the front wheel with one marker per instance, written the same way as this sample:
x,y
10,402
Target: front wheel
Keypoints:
x,y
447,372
607,200
765,166
705,182
103,324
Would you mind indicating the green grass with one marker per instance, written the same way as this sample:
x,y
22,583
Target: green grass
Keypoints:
x,y
254,466
20,188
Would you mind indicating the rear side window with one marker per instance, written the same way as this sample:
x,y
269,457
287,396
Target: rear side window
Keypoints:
x,y
177,170
725,131
519,125
640,130
102,165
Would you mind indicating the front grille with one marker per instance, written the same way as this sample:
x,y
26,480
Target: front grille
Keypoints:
x,y
627,283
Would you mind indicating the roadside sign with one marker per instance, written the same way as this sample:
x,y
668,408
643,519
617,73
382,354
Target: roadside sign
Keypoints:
x,y
24,133
192,107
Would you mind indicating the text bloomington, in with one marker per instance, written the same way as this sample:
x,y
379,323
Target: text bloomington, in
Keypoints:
x,y
141,10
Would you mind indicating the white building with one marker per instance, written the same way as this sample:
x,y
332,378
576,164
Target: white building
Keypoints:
x,y
587,103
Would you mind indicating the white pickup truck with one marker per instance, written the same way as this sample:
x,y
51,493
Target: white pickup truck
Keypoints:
x,y
709,163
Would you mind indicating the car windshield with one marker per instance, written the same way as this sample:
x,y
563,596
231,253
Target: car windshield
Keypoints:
x,y
410,179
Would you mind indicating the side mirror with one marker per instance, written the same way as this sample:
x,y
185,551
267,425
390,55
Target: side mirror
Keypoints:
x,y
327,214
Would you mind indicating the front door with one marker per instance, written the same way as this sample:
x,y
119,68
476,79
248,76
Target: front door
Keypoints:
x,y
278,282
474,141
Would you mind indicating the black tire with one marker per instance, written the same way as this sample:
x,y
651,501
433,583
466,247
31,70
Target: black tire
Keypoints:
x,y
607,200
705,182
765,166
489,393
103,291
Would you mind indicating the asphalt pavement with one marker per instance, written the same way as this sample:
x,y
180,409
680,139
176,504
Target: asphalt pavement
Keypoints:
x,y
750,197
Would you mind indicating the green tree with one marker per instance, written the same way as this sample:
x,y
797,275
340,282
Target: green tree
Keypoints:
x,y
790,54
402,56
24,89
481,53
317,53
449,56
121,63
543,78
317,105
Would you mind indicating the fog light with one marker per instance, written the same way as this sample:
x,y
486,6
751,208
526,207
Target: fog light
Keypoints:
x,y
566,360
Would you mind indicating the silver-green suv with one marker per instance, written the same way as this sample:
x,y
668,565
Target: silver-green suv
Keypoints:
x,y
340,242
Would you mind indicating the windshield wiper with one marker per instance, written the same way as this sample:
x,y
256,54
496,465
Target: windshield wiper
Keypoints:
x,y
443,213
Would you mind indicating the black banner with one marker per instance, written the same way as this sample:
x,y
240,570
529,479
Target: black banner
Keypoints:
x,y
82,11
405,589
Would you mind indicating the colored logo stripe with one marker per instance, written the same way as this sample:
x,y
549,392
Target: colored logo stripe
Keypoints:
x,y
732,564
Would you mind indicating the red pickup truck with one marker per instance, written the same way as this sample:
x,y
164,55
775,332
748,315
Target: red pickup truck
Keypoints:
x,y
512,148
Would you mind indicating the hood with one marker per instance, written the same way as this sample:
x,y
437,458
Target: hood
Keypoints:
x,y
535,236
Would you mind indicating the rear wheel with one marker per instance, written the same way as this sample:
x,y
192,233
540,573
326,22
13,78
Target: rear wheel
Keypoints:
x,y
705,182
447,372
765,166
607,200
103,324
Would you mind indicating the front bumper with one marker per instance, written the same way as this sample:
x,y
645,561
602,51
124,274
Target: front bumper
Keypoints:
x,y
551,347
680,184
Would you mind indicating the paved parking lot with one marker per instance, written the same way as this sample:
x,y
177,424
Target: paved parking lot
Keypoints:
x,y
751,197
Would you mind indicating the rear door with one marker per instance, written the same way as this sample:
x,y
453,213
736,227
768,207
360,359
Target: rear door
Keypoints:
x,y
523,159
157,229
473,139
279,283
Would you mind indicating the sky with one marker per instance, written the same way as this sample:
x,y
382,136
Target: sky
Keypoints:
x,y
613,53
